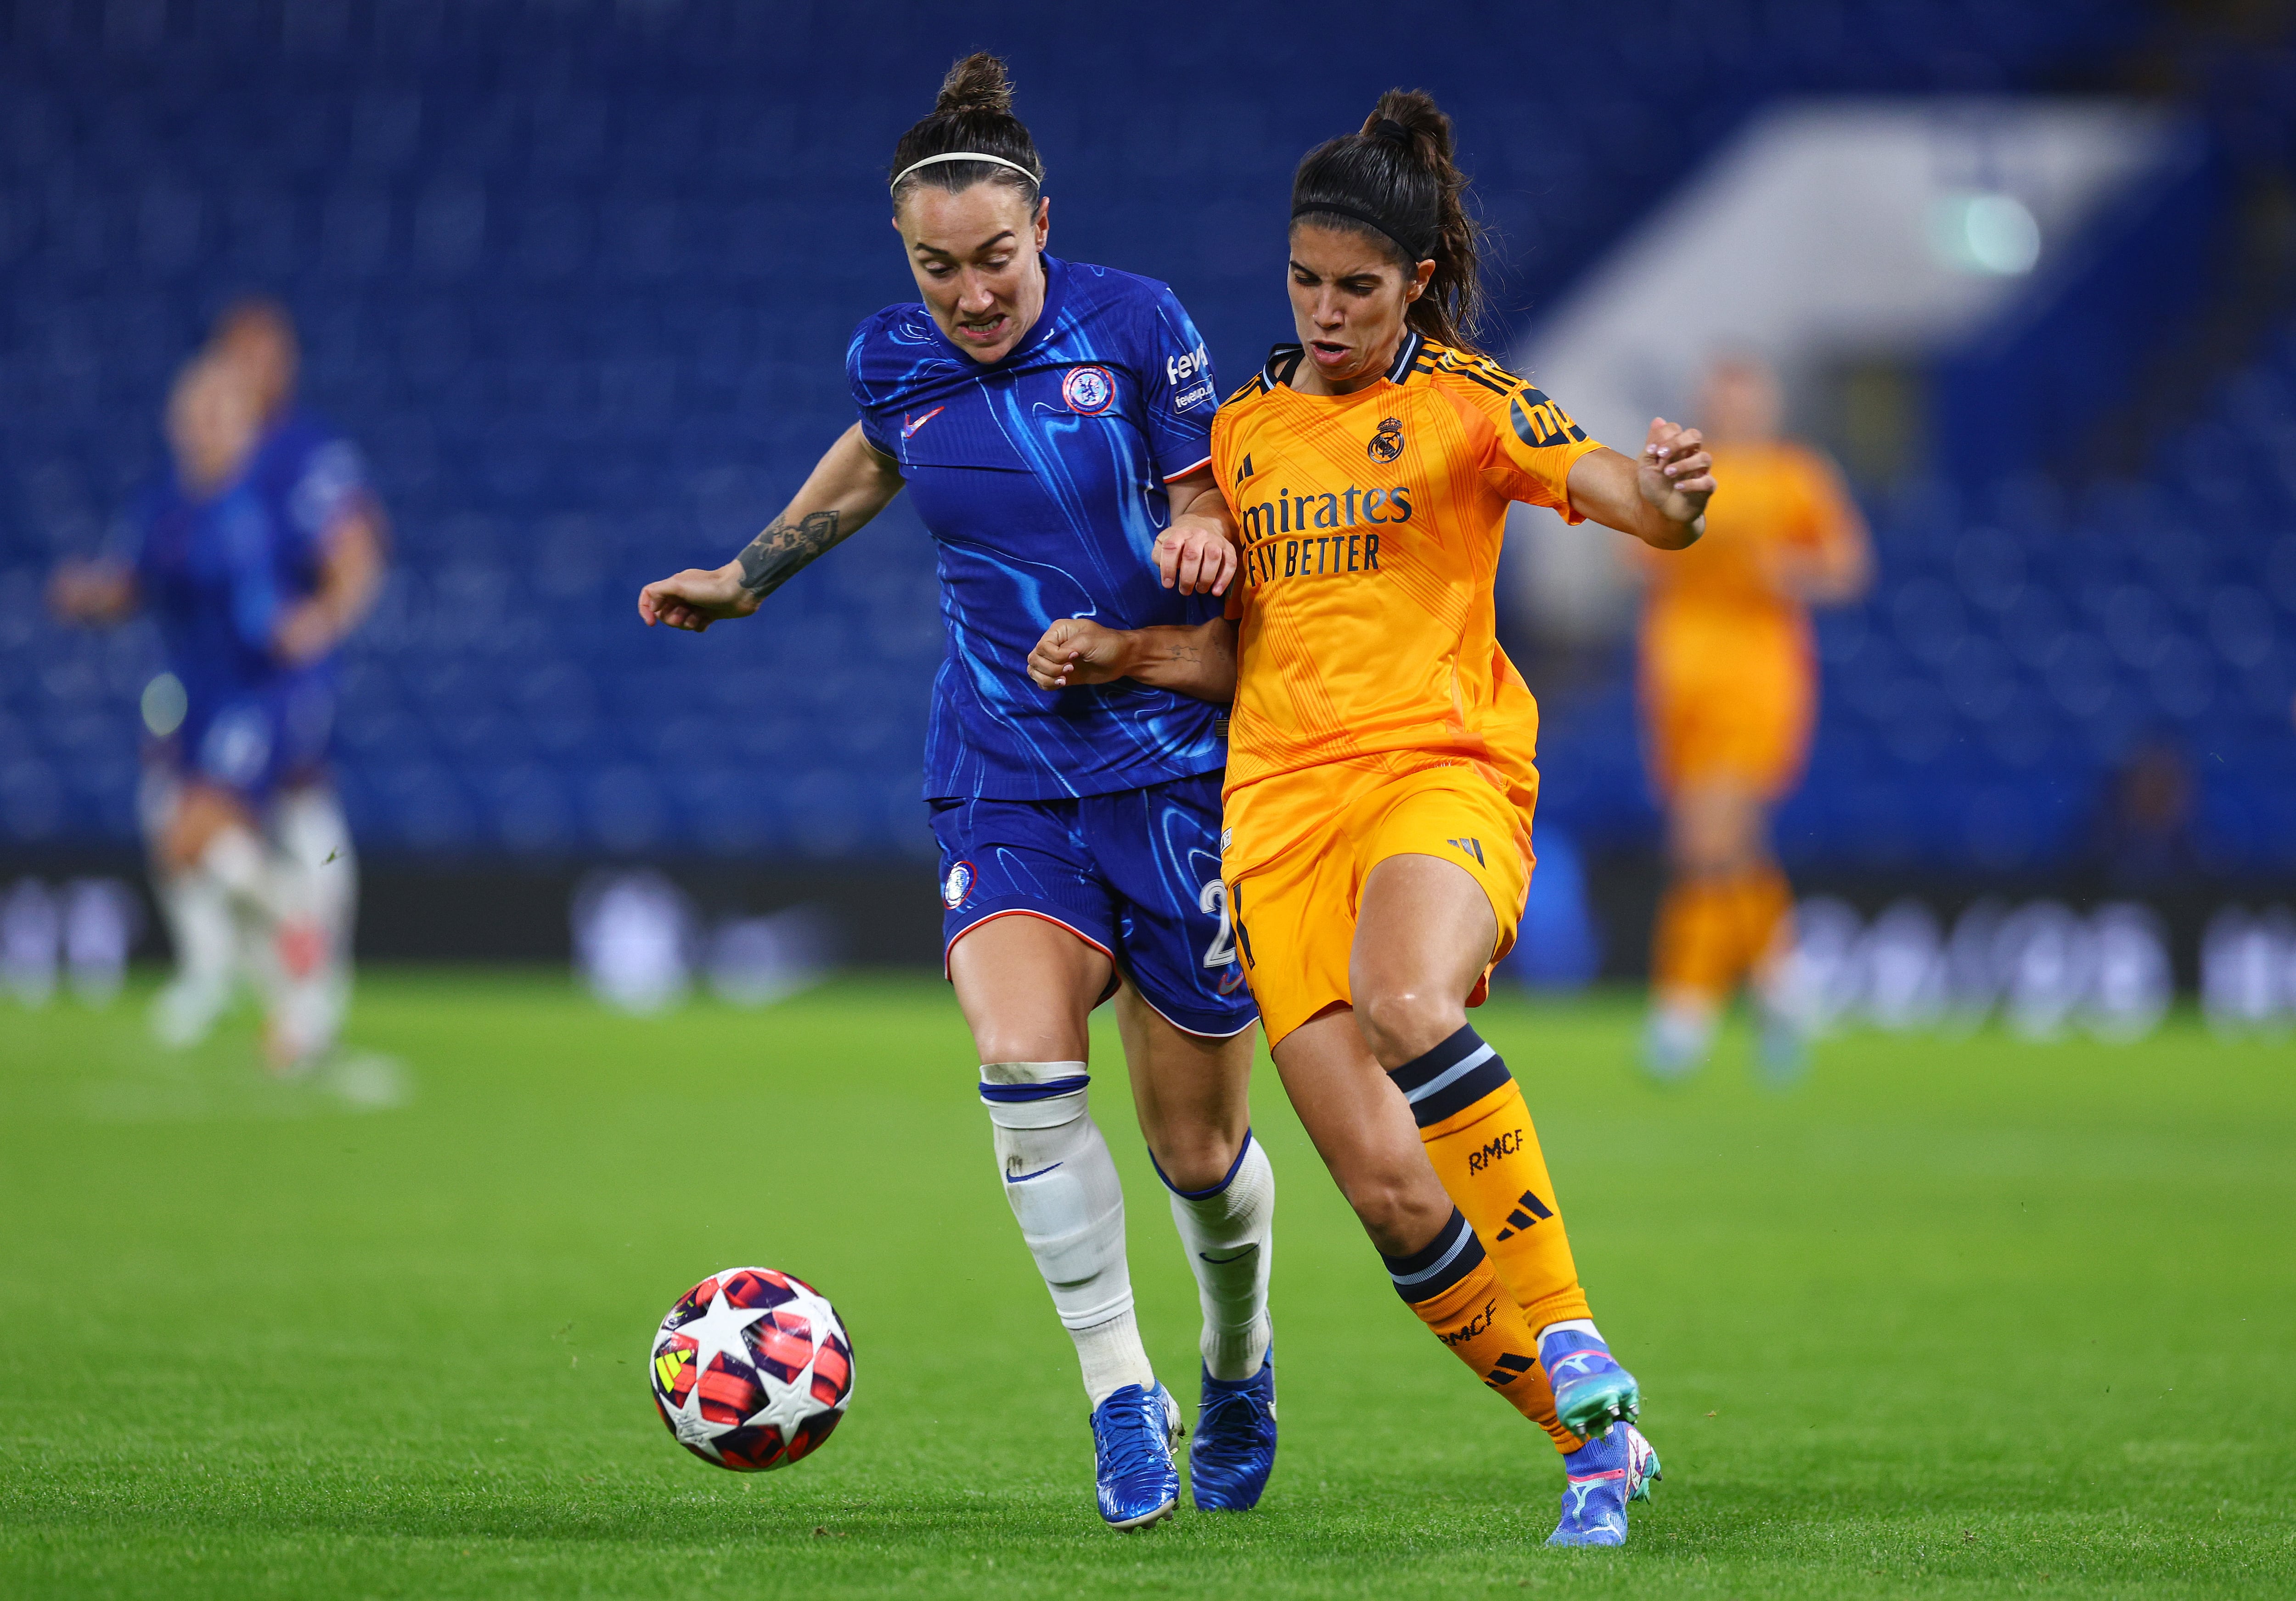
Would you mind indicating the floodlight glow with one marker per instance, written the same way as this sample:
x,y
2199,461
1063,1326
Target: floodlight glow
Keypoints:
x,y
164,705
1985,232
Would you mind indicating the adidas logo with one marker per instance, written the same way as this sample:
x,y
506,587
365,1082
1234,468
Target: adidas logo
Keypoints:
x,y
1246,470
1528,1210
1474,847
1509,1368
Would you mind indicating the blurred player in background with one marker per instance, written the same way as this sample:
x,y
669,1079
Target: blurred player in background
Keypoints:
x,y
1050,421
1380,780
258,552
1729,691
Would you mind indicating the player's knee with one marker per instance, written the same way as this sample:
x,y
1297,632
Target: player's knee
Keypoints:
x,y
1009,1041
1394,1214
1196,1158
193,827
1401,1023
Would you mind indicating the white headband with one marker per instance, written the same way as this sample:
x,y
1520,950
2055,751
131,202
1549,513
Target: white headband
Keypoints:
x,y
968,155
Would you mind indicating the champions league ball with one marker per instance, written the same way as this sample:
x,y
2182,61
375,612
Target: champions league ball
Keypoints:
x,y
751,1369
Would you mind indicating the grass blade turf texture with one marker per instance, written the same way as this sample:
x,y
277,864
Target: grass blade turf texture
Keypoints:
x,y
1977,1319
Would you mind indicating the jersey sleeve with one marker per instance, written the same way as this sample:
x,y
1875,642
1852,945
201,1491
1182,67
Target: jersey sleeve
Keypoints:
x,y
1830,520
329,481
871,428
1178,388
1531,443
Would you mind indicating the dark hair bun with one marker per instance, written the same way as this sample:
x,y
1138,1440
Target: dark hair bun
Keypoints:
x,y
978,83
1415,112
973,116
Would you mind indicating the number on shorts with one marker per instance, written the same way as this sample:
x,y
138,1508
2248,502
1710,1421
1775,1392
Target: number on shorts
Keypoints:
x,y
1221,951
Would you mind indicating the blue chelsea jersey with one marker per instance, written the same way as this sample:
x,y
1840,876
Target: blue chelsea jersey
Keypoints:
x,y
218,574
1042,480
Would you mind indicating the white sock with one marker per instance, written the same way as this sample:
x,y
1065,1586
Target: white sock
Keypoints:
x,y
200,925
1228,1231
316,861
315,839
1063,1186
1575,1325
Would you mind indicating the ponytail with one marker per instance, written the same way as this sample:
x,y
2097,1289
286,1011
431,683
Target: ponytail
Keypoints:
x,y
971,119
1395,182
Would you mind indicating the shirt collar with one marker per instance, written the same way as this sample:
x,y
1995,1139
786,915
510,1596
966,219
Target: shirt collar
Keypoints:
x,y
1283,361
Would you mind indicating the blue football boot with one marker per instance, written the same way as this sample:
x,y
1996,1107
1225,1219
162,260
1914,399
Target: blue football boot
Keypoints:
x,y
1591,1390
1781,1047
1133,1432
1234,1447
1605,1475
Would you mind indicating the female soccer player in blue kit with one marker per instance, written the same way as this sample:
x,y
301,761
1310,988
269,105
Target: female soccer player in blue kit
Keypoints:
x,y
1053,421
256,554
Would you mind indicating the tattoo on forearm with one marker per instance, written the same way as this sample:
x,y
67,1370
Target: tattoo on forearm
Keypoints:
x,y
779,554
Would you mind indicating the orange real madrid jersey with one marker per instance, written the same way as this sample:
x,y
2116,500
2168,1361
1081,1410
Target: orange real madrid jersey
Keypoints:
x,y
1729,675
1371,525
1783,497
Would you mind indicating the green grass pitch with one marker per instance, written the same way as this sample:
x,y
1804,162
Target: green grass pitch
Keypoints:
x,y
1960,1318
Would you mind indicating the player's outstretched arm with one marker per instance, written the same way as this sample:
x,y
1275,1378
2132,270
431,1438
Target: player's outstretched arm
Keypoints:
x,y
1837,567
850,484
1197,554
350,582
1196,659
1660,498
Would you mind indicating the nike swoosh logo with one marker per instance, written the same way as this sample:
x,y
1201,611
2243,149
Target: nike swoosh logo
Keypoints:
x,y
1222,1261
910,425
1024,1177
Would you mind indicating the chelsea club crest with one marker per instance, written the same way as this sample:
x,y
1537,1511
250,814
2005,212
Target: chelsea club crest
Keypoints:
x,y
1088,391
953,893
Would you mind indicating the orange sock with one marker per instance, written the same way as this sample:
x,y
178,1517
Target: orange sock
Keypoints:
x,y
1697,946
1478,1135
1765,916
1451,1287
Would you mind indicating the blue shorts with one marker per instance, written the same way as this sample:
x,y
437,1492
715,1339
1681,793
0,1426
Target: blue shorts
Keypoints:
x,y
1135,875
252,744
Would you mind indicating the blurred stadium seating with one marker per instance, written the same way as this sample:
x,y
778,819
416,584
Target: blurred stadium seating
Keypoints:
x,y
578,276
2020,646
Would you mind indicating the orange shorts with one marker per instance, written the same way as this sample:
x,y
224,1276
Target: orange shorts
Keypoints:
x,y
1294,909
1744,714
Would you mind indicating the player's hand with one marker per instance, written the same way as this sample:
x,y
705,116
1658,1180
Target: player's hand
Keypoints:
x,y
697,597
1195,556
307,632
92,591
1075,650
1676,475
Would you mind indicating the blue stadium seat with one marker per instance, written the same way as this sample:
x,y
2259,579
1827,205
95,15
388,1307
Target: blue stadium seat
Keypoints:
x,y
558,267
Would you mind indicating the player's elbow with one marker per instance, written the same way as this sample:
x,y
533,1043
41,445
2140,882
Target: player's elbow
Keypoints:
x,y
1669,535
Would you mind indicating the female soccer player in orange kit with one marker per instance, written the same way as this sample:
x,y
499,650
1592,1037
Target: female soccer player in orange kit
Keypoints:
x,y
1729,690
1379,782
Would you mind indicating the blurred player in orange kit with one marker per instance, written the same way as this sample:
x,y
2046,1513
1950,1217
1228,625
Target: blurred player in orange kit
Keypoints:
x,y
1729,687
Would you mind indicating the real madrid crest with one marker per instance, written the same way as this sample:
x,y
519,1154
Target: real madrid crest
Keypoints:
x,y
1088,391
1387,444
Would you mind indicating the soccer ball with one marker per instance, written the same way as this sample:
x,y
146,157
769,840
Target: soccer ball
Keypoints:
x,y
751,1369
